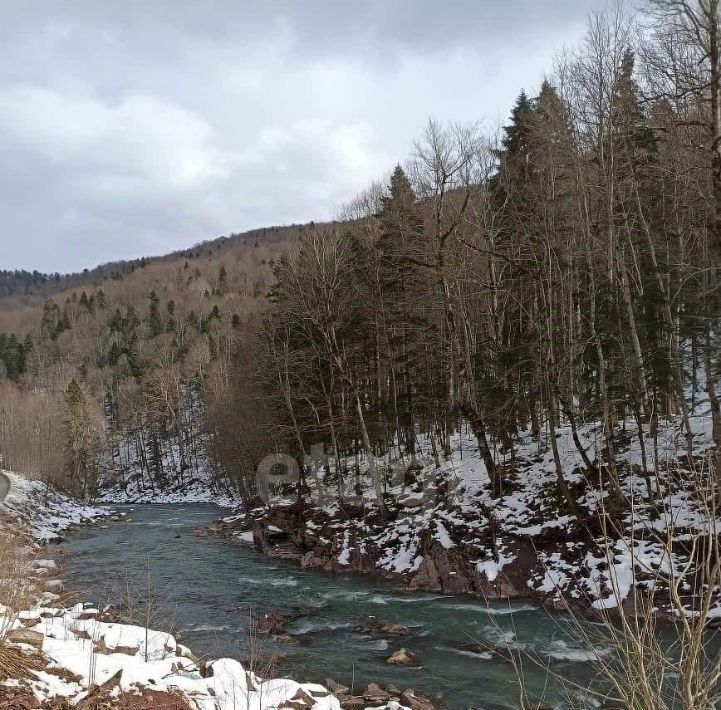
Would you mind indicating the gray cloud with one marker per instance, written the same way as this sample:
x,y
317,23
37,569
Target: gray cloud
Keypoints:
x,y
137,127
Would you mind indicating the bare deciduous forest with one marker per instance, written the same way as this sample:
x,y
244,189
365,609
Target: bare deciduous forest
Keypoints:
x,y
564,274
111,373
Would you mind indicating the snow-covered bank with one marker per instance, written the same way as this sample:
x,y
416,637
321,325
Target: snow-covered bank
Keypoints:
x,y
446,531
43,513
83,656
199,488
82,653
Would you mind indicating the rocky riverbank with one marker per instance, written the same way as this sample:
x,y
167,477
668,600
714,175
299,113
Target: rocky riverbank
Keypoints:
x,y
301,534
445,530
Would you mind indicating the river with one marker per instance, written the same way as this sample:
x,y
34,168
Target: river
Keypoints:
x,y
208,590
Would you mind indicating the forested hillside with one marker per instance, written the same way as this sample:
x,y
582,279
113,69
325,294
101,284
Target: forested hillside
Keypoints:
x,y
19,282
113,375
563,275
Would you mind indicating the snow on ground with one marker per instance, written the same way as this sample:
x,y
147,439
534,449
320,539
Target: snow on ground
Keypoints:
x,y
171,475
448,502
84,652
126,482
199,489
43,512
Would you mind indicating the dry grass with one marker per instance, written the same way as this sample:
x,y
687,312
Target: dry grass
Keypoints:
x,y
20,586
18,664
12,698
147,700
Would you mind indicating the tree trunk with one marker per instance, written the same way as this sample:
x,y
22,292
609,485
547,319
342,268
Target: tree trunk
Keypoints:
x,y
478,427
372,466
563,488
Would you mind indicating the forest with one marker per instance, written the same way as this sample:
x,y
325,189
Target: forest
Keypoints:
x,y
563,273
495,372
560,271
102,379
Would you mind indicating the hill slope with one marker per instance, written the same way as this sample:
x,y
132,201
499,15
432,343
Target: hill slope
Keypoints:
x,y
108,375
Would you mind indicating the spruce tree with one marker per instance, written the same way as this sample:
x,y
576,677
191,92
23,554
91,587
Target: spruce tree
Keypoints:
x,y
155,323
402,253
222,281
170,325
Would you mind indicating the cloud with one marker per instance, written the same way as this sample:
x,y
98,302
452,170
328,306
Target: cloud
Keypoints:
x,y
140,137
141,172
138,127
141,141
333,157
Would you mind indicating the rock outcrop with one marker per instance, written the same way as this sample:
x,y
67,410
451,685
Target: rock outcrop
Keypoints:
x,y
283,533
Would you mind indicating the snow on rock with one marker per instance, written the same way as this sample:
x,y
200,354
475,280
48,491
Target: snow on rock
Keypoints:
x,y
492,568
400,544
447,528
86,652
344,557
443,536
557,576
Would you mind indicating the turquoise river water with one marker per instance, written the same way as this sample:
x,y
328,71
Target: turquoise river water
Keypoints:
x,y
209,590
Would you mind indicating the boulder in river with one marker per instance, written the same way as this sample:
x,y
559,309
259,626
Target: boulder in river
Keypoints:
x,y
372,624
272,622
375,694
415,701
480,649
403,657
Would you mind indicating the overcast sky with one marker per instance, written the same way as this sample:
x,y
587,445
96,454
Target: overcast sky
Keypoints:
x,y
135,127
